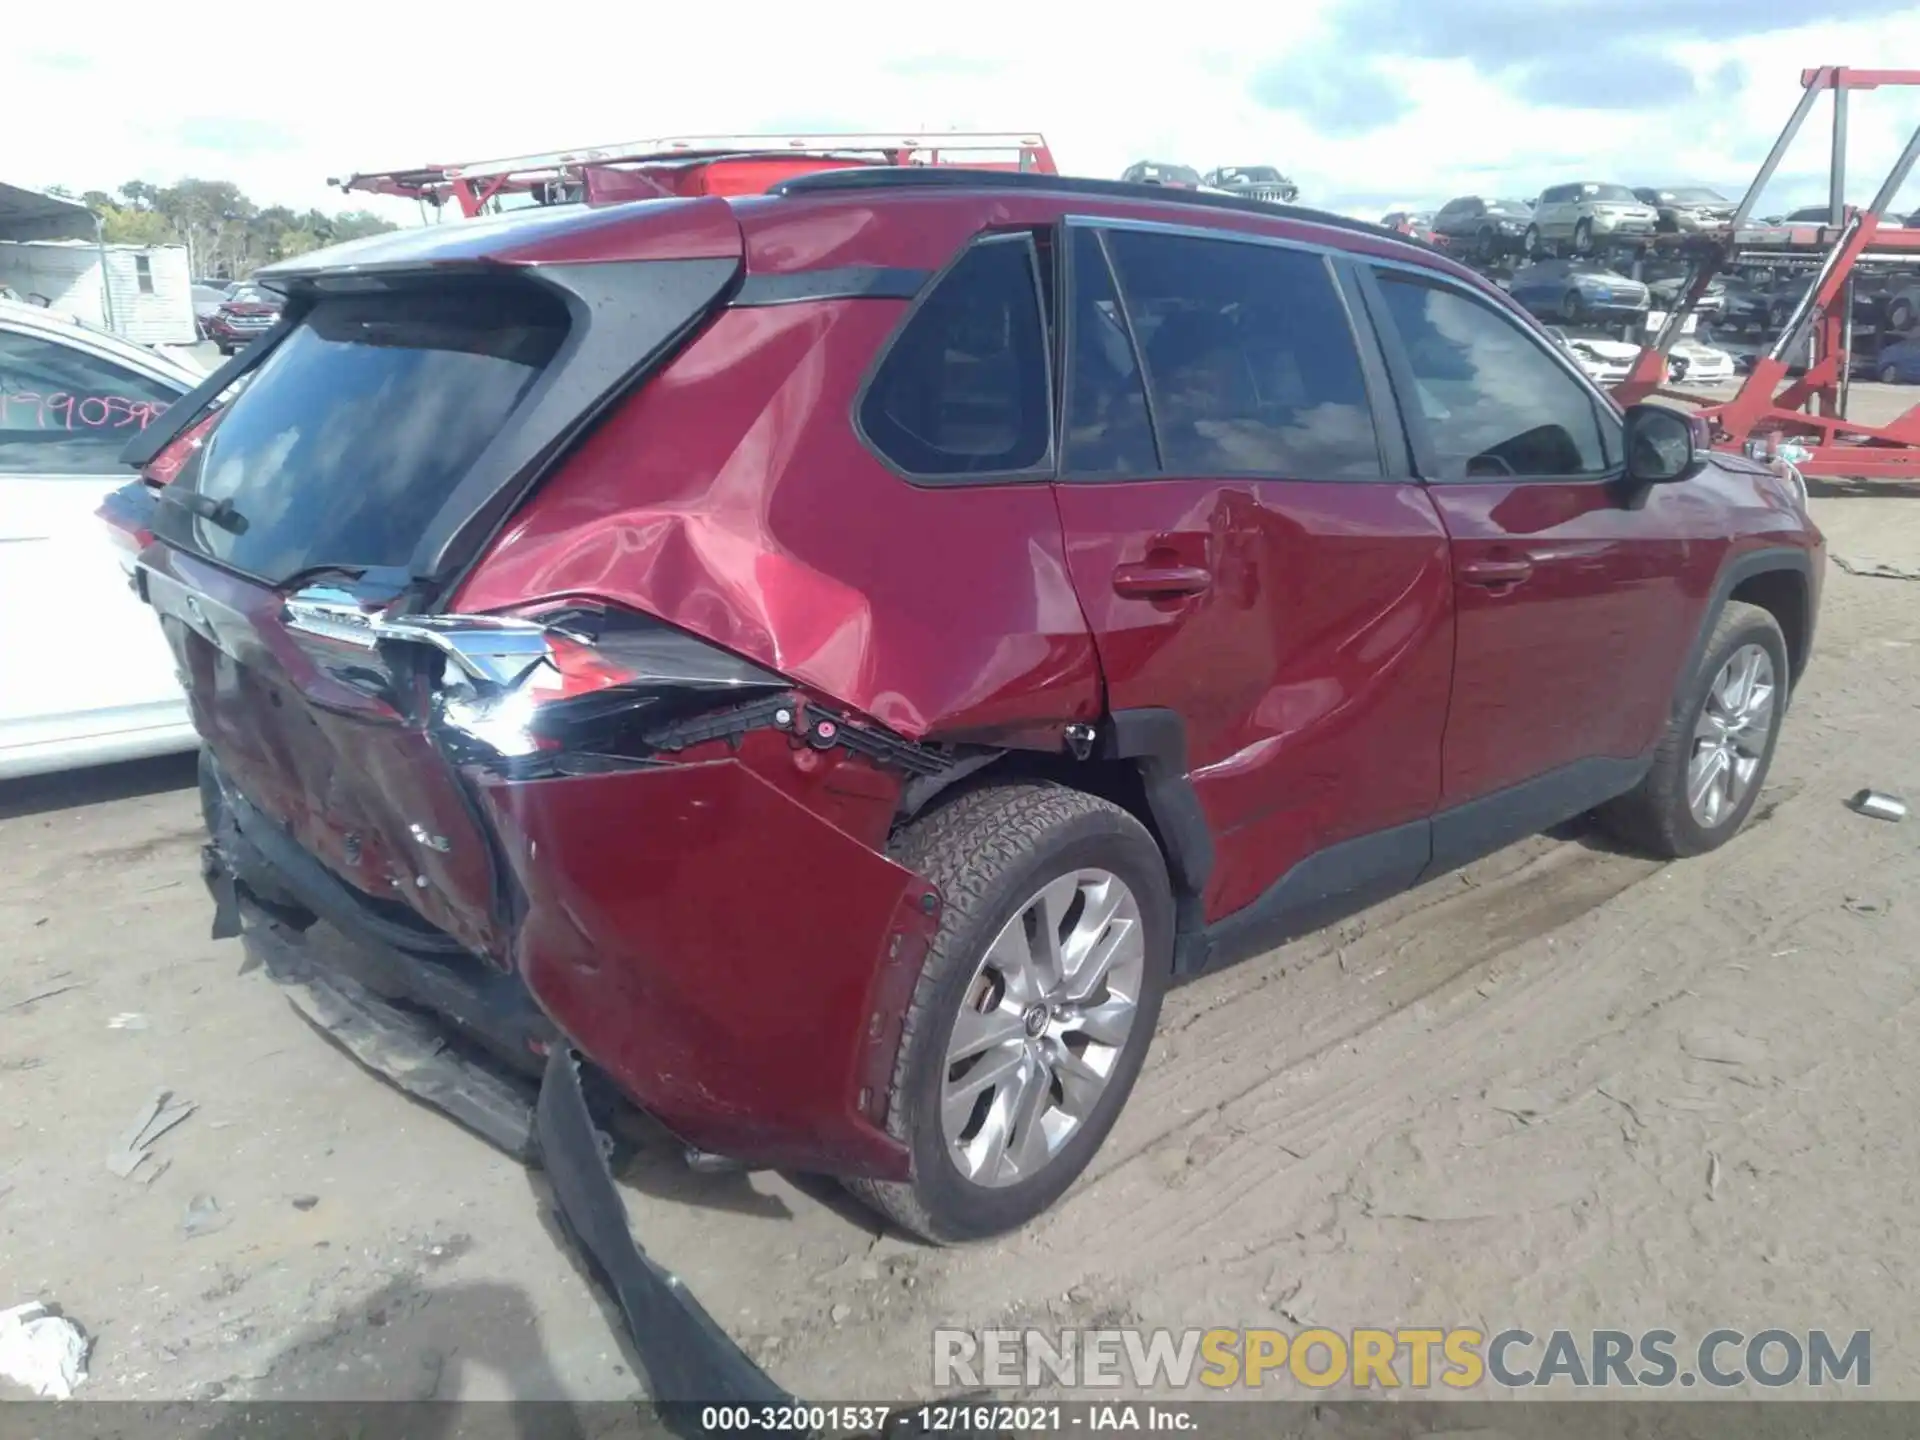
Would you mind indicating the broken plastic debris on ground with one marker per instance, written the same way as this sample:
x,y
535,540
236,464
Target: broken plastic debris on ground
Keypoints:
x,y
156,1117
43,1351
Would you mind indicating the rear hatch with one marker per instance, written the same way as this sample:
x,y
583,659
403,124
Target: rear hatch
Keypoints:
x,y
415,392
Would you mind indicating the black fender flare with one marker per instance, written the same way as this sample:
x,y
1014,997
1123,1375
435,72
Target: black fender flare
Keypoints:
x,y
1154,741
1733,571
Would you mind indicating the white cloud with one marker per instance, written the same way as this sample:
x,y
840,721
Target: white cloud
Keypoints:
x,y
285,99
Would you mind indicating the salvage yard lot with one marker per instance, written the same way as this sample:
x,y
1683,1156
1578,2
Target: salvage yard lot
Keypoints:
x,y
1568,1087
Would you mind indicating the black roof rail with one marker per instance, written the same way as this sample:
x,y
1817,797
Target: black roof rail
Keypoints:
x,y
959,177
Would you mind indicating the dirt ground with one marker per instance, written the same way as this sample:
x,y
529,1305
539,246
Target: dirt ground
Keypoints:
x,y
1568,1087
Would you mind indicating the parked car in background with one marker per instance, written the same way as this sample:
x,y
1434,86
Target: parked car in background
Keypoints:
x,y
1765,299
207,300
1898,363
1698,363
1687,209
1606,362
1256,182
1665,291
84,678
1481,227
1823,215
475,677
1156,172
1577,215
1578,291
243,317
1901,308
1415,223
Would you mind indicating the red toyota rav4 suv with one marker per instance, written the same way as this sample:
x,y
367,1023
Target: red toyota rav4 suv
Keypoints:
x,y
842,653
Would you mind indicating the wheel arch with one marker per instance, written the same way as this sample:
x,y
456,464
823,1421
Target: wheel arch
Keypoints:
x,y
1779,580
1138,761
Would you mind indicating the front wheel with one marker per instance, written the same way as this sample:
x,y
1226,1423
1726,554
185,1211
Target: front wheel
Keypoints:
x,y
1035,1007
1889,375
1583,237
1900,316
1710,765
1532,243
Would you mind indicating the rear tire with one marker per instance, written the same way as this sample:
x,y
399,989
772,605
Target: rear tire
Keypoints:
x,y
1668,813
1889,375
1002,857
1900,316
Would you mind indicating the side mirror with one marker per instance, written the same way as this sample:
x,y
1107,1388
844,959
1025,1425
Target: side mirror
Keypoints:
x,y
1664,444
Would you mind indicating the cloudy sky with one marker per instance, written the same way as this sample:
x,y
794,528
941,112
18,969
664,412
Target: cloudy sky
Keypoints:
x,y
1368,104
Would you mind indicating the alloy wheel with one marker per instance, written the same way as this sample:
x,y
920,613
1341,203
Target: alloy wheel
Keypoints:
x,y
1042,1026
1730,737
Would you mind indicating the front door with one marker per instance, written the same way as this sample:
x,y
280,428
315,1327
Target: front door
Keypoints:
x,y
1248,551
1575,598
82,658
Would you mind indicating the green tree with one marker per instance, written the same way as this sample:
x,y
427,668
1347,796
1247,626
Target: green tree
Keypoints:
x,y
226,233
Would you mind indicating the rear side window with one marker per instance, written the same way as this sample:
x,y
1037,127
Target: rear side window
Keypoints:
x,y
356,429
64,411
1496,405
1251,365
963,390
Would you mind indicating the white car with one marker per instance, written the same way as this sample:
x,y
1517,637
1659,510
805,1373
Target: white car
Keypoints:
x,y
1605,361
85,675
1699,364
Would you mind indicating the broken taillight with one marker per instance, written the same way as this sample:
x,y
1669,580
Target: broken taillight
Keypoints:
x,y
558,677
605,681
127,513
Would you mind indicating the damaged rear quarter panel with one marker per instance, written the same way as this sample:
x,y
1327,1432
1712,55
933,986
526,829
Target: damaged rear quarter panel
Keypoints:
x,y
731,497
733,961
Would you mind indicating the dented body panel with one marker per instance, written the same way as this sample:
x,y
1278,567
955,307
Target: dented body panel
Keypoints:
x,y
732,498
736,965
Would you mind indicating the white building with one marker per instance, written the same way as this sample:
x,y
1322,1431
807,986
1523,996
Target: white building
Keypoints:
x,y
141,292
51,254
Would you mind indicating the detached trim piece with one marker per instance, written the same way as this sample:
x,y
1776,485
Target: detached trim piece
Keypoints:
x,y
688,1358
847,282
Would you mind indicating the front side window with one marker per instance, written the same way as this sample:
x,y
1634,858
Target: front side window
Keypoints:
x,y
1496,405
1250,359
64,411
963,389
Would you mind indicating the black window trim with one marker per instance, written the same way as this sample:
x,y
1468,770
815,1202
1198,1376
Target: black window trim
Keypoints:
x,y
1069,309
1040,473
1400,369
1373,373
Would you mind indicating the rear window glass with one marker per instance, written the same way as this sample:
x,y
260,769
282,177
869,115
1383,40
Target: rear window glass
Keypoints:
x,y
964,388
357,428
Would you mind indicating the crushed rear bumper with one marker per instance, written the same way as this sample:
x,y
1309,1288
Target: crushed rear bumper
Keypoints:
x,y
687,1358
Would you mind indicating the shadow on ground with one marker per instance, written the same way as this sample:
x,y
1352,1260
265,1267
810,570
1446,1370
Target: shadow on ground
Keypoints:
x,y
96,785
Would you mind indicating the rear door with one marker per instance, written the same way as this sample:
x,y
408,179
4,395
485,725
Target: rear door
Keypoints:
x,y
80,656
1249,547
